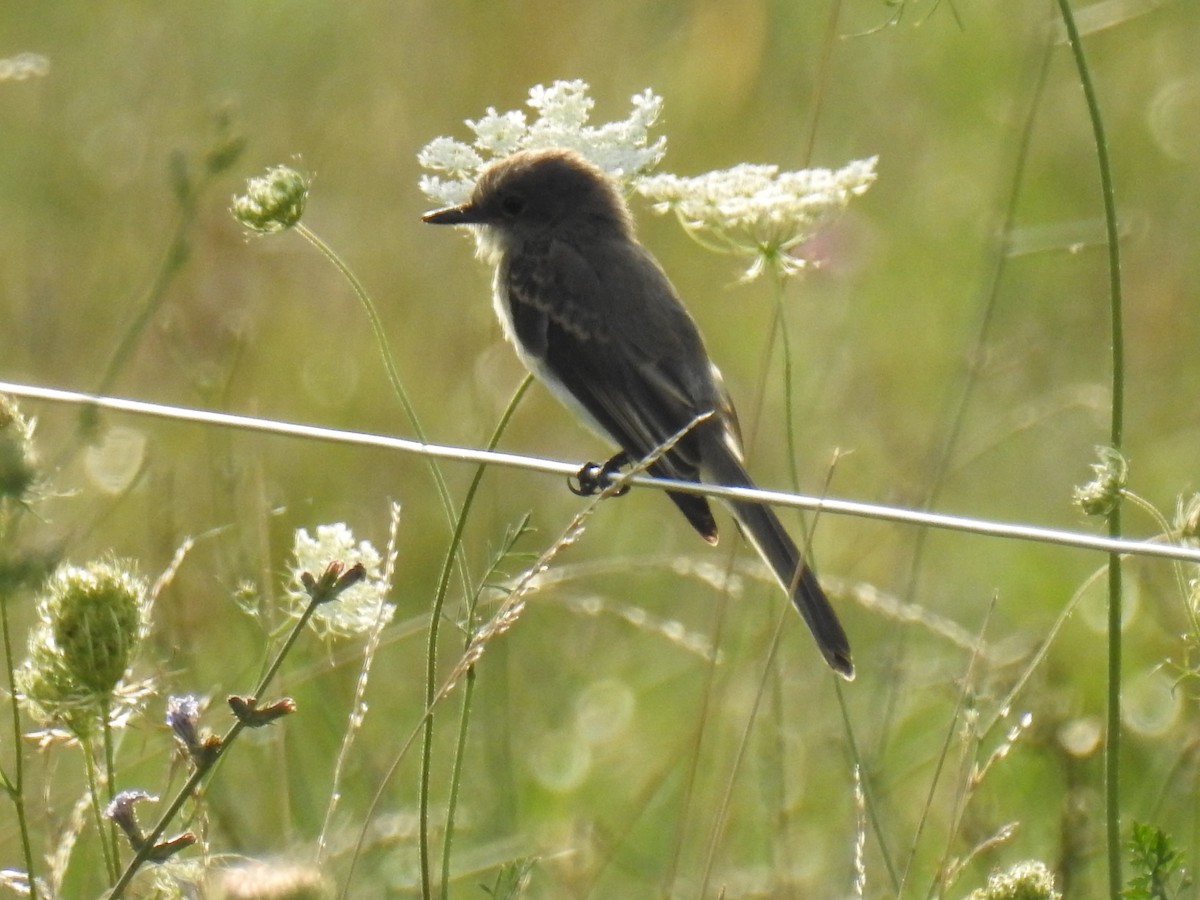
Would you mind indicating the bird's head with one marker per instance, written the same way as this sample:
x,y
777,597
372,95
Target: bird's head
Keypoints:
x,y
536,193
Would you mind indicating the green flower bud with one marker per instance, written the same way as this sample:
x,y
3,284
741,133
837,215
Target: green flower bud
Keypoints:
x,y
97,617
92,620
17,471
1101,495
272,202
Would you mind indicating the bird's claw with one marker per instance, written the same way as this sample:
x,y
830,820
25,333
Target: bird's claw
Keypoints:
x,y
592,478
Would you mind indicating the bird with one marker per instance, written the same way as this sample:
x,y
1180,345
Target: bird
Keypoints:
x,y
594,317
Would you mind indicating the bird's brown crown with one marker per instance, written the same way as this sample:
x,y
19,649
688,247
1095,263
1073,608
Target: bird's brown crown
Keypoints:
x,y
536,190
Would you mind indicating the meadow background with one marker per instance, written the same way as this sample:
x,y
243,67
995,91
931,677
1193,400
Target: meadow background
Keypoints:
x,y
603,739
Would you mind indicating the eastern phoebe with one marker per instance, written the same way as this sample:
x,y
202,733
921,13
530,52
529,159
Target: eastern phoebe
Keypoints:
x,y
592,315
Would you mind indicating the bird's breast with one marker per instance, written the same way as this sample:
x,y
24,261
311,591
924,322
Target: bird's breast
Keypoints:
x,y
535,362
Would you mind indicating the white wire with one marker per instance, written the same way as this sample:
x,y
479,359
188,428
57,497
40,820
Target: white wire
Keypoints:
x,y
1155,547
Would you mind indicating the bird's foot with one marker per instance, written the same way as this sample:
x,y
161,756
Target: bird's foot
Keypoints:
x,y
592,478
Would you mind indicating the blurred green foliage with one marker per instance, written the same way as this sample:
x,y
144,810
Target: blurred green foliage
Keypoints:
x,y
884,334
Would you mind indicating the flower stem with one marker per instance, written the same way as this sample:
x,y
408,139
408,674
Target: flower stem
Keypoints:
x,y
189,788
93,782
431,684
1112,757
389,362
15,788
780,281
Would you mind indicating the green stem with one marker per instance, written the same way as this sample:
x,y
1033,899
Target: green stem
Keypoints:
x,y
431,685
110,782
691,774
173,259
377,329
957,406
93,782
16,787
1112,748
721,819
389,364
198,774
460,755
393,377
872,807
788,412
1112,744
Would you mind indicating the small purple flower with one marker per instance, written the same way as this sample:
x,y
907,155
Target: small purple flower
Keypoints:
x,y
183,716
121,811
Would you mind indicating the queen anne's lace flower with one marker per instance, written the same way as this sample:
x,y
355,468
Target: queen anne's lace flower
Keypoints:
x,y
756,210
356,609
498,133
1030,880
751,210
622,149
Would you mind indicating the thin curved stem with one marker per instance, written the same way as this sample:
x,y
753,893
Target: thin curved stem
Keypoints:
x,y
15,788
198,774
93,786
469,688
1112,746
431,682
389,363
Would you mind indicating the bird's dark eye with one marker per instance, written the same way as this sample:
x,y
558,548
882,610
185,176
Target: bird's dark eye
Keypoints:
x,y
512,204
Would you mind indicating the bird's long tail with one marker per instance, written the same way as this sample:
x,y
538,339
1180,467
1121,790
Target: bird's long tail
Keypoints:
x,y
766,533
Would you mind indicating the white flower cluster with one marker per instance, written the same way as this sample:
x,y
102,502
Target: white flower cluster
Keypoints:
x,y
1030,880
752,210
619,148
356,610
756,209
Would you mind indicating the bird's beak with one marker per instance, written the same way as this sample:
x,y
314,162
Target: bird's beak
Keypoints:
x,y
454,215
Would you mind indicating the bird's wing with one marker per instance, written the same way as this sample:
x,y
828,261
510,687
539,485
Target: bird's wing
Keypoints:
x,y
634,363
606,325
